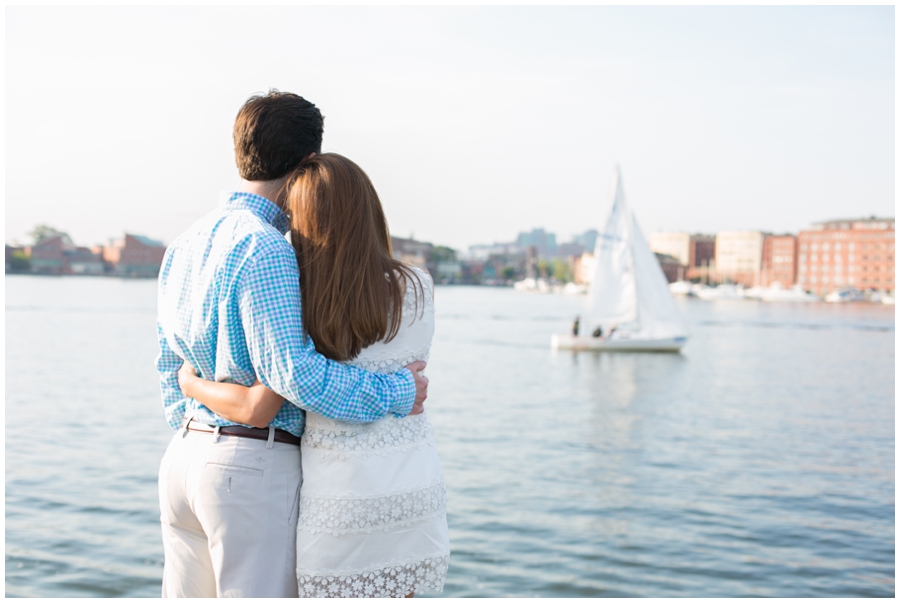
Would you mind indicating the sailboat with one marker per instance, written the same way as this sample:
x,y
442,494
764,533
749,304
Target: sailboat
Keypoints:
x,y
629,294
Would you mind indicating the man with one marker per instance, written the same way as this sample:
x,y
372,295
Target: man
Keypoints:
x,y
229,304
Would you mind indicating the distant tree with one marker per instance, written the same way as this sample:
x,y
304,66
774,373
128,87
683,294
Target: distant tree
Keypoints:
x,y
545,269
42,232
508,273
561,271
444,254
19,262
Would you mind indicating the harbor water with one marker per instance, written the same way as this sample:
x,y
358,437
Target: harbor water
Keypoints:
x,y
758,462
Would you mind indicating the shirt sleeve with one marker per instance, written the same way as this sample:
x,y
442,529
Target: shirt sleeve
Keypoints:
x,y
287,362
167,365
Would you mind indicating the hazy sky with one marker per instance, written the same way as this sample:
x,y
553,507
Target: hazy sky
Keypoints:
x,y
474,123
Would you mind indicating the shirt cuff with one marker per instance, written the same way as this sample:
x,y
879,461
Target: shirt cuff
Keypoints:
x,y
406,393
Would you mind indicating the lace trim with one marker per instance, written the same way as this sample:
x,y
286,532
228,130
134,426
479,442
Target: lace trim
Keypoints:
x,y
388,361
339,516
419,294
381,437
391,581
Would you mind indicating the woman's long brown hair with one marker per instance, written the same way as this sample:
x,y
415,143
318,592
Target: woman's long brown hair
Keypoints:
x,y
351,285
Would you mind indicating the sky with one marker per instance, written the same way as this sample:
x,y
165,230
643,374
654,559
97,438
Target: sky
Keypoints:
x,y
474,123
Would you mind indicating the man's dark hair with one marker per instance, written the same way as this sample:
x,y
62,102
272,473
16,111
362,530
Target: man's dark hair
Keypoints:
x,y
273,133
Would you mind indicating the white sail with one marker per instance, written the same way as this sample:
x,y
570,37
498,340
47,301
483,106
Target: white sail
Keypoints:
x,y
613,295
628,289
658,315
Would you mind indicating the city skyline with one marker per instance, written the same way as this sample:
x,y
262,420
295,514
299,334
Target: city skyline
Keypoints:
x,y
575,238
502,120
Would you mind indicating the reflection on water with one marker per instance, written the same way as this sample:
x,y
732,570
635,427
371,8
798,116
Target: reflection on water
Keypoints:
x,y
758,462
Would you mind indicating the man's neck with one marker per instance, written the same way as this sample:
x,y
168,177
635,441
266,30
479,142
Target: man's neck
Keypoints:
x,y
273,190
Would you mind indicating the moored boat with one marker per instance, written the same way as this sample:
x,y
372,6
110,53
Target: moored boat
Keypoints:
x,y
681,288
725,291
777,293
841,296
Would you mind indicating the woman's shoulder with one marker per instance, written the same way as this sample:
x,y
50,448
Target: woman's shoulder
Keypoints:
x,y
419,290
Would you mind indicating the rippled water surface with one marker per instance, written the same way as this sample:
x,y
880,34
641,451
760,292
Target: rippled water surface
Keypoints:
x,y
760,461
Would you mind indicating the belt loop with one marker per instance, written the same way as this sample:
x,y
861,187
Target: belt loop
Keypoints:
x,y
188,417
216,435
271,442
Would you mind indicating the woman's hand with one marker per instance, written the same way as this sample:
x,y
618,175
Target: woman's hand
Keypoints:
x,y
256,405
187,376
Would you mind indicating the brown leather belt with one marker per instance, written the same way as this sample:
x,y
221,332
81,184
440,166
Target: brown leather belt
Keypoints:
x,y
246,432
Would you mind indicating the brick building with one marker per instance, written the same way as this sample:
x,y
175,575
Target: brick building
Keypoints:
x,y
82,260
847,253
135,255
417,253
47,254
58,255
671,267
779,261
695,252
701,257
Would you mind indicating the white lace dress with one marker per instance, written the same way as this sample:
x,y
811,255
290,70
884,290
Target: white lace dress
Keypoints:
x,y
373,513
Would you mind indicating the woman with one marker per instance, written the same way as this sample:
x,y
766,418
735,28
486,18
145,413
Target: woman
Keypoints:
x,y
372,520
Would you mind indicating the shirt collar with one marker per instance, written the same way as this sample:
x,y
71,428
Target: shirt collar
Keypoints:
x,y
261,207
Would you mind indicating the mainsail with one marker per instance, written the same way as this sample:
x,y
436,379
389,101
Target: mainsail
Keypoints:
x,y
628,286
613,293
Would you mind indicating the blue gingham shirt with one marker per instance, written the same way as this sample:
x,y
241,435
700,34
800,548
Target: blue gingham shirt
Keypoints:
x,y
229,303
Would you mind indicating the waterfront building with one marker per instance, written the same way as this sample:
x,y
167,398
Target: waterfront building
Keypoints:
x,y
779,261
82,260
58,255
417,253
545,242
567,250
134,255
673,244
448,272
480,253
701,258
857,253
47,254
739,257
583,269
695,252
672,268
588,239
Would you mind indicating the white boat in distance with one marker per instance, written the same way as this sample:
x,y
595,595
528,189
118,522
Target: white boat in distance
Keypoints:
x,y
682,288
724,291
777,293
843,296
628,291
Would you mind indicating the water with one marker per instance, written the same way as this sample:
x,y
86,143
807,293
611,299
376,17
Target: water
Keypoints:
x,y
758,462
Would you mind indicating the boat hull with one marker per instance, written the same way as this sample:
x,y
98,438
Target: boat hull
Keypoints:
x,y
571,342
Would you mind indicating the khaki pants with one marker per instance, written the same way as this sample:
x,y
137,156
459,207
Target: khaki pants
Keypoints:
x,y
229,516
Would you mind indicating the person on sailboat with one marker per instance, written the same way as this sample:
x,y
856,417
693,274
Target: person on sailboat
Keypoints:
x,y
612,329
575,326
598,332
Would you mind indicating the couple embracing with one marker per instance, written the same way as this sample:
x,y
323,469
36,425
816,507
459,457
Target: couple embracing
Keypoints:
x,y
303,462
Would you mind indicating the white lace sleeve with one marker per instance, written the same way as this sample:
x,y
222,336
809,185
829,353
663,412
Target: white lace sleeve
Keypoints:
x,y
413,340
